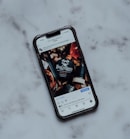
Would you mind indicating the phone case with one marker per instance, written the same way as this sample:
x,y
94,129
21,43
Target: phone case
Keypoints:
x,y
48,84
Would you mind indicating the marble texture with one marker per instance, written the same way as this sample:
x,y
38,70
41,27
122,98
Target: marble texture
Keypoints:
x,y
103,29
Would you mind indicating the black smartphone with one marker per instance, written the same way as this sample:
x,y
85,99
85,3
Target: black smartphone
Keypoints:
x,y
64,68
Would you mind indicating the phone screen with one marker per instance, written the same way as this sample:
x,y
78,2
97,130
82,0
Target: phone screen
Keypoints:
x,y
66,72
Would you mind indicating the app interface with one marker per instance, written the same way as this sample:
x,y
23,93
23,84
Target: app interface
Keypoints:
x,y
66,73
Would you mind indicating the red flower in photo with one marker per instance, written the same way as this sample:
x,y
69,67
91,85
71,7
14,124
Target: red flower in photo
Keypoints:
x,y
74,51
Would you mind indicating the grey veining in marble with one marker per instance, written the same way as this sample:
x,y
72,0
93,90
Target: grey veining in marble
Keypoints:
x,y
103,29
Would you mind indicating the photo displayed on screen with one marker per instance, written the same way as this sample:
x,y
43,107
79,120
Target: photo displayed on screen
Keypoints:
x,y
65,69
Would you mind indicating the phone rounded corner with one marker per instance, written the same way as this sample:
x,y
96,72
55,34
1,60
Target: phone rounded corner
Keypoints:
x,y
61,118
34,40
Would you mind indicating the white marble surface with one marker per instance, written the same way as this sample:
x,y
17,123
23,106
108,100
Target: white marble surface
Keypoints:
x,y
103,28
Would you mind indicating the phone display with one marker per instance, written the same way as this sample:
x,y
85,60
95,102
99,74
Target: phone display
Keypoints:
x,y
66,73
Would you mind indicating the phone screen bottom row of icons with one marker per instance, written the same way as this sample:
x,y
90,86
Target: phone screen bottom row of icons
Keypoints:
x,y
76,106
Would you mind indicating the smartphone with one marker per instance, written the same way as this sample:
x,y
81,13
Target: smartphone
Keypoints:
x,y
64,68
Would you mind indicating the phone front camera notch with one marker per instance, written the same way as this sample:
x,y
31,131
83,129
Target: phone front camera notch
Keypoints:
x,y
53,34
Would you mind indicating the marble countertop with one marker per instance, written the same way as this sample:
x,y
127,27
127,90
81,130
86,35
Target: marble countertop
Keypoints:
x,y
103,29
